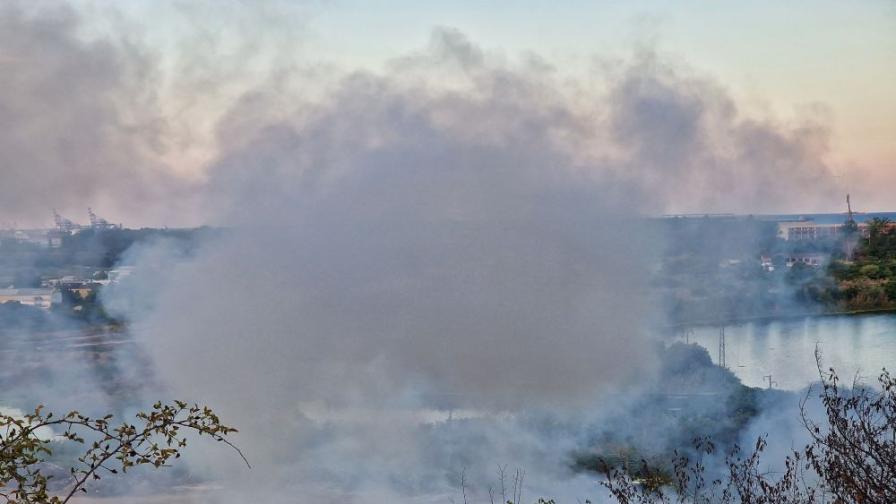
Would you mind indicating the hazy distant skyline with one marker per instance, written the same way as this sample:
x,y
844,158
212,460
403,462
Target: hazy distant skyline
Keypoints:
x,y
178,68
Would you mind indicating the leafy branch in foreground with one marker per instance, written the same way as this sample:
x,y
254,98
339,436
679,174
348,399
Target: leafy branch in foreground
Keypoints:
x,y
157,437
854,451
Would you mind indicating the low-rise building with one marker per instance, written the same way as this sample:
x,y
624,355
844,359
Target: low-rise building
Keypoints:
x,y
40,298
82,290
119,273
816,260
805,230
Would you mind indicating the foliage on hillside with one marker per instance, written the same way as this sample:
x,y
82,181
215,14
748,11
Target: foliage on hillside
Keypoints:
x,y
868,281
710,271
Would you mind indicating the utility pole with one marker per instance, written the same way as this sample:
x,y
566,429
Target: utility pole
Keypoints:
x,y
770,382
849,210
850,230
722,362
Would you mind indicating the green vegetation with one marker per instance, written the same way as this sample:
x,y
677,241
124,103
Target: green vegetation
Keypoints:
x,y
868,280
74,311
710,271
87,257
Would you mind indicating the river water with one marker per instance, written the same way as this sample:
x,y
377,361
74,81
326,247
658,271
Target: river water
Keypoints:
x,y
785,349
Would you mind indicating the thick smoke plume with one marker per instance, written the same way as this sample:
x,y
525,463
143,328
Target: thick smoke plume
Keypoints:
x,y
402,250
457,234
685,139
79,122
94,117
404,247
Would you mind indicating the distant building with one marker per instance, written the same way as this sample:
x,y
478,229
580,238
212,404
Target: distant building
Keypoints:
x,y
64,281
23,236
119,273
79,287
816,260
81,290
55,238
812,231
40,298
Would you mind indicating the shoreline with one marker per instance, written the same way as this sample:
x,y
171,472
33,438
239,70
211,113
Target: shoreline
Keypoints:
x,y
781,316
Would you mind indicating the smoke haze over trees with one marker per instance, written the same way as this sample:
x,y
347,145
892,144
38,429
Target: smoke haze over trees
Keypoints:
x,y
456,235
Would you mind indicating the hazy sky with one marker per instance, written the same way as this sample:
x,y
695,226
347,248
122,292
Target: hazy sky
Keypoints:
x,y
827,63
773,56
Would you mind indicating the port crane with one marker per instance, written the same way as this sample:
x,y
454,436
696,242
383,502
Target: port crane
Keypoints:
x,y
98,223
66,226
63,224
850,220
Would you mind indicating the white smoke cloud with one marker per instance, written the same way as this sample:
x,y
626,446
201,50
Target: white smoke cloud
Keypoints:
x,y
457,232
397,249
685,138
108,121
405,245
79,124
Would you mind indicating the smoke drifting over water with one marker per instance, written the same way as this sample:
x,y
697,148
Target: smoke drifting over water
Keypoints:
x,y
458,233
401,250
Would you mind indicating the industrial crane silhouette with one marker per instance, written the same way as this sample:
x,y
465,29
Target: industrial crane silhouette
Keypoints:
x,y
850,229
63,224
97,222
66,226
850,221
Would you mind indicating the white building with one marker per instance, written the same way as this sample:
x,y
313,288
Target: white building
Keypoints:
x,y
816,260
811,231
119,273
40,298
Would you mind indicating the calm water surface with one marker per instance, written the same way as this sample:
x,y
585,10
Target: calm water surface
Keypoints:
x,y
785,348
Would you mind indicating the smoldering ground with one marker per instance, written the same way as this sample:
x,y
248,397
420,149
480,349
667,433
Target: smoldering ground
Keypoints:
x,y
457,233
